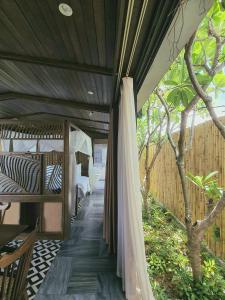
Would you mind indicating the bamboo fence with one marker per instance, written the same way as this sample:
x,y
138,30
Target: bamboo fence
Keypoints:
x,y
207,154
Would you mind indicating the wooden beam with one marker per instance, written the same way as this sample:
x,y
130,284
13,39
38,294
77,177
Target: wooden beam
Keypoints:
x,y
21,116
30,198
96,135
94,129
60,64
54,101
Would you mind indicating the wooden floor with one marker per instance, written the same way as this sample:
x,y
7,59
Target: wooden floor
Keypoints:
x,y
83,270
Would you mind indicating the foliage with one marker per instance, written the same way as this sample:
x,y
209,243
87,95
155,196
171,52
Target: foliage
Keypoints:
x,y
208,185
168,265
176,84
192,84
149,128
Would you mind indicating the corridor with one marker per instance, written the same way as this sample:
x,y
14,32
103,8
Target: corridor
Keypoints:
x,y
83,270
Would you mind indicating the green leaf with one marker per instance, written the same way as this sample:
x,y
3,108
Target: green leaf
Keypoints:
x,y
219,80
181,95
170,82
203,79
174,97
210,175
197,180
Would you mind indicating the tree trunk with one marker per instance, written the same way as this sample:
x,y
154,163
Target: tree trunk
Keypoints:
x,y
188,213
194,238
145,193
194,249
146,182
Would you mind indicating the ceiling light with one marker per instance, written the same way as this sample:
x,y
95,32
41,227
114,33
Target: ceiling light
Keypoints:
x,y
65,9
90,93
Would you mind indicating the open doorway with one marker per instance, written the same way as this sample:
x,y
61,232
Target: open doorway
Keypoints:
x,y
100,156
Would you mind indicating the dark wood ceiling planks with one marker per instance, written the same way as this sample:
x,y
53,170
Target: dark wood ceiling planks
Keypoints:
x,y
47,56
36,29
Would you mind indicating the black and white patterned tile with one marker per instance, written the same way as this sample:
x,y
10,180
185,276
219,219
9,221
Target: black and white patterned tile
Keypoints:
x,y
43,254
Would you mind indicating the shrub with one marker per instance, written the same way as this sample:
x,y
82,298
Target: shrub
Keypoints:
x,y
168,265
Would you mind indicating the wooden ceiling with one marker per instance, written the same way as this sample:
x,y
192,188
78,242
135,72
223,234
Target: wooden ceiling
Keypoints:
x,y
49,63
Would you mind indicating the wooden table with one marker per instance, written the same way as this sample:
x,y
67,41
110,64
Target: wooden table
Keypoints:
x,y
10,232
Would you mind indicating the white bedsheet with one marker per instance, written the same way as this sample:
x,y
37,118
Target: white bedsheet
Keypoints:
x,y
84,184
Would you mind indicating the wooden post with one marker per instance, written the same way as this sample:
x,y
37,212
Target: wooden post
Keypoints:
x,y
42,187
67,184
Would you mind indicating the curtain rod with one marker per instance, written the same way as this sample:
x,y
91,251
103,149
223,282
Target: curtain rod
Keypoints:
x,y
125,39
140,22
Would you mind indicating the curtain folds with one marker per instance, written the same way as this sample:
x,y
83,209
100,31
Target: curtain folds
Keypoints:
x,y
110,200
131,260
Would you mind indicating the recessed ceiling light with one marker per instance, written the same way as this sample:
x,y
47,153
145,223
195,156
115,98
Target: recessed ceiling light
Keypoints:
x,y
65,9
90,93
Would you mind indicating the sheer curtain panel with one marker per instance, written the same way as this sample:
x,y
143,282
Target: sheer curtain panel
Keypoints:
x,y
131,260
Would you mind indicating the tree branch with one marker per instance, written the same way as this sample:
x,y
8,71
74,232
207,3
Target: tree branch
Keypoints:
x,y
220,67
219,45
192,129
168,131
199,89
181,168
209,220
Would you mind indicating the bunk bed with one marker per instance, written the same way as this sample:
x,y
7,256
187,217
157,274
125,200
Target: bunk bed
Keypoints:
x,y
38,183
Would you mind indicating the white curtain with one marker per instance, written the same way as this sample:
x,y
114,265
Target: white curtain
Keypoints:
x,y
51,145
131,260
5,145
24,145
92,176
81,142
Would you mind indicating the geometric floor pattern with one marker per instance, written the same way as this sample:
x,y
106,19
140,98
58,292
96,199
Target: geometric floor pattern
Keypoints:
x,y
43,254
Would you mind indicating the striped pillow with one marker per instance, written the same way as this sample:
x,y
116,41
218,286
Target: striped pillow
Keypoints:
x,y
7,185
54,178
23,170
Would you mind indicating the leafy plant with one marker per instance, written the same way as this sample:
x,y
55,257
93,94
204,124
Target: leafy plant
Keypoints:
x,y
208,185
191,86
168,265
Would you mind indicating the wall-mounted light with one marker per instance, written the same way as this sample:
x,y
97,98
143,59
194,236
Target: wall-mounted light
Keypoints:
x,y
90,113
65,9
90,93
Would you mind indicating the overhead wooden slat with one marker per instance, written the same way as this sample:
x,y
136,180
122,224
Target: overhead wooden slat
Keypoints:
x,y
21,116
31,130
68,65
54,101
96,135
91,128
